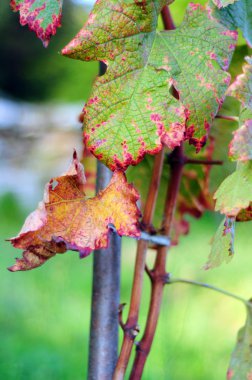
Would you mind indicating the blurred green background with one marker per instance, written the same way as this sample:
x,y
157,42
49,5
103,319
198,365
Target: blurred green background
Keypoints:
x,y
45,313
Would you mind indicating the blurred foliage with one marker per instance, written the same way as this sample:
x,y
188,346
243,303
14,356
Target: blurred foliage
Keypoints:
x,y
30,72
45,313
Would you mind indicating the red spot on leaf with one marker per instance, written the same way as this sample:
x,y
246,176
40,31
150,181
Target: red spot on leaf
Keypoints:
x,y
230,33
155,117
93,100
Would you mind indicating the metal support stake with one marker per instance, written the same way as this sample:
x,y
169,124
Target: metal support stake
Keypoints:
x,y
103,346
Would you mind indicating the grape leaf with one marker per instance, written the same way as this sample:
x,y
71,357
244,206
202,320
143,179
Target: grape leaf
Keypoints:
x,y
222,249
235,192
223,3
237,15
241,146
42,16
240,367
241,88
132,111
67,220
234,196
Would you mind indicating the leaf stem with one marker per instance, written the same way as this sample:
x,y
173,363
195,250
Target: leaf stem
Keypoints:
x,y
103,340
158,274
131,328
167,19
225,117
208,286
203,162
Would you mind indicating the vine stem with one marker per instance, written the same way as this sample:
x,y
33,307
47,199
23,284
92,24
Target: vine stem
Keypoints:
x,y
208,286
158,274
229,118
203,162
130,328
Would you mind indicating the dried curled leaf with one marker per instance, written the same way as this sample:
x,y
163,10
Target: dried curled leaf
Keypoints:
x,y
67,220
42,16
222,249
235,193
240,367
132,111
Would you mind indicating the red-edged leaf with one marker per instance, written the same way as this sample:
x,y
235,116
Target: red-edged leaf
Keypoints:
x,y
42,16
241,146
241,88
67,220
132,111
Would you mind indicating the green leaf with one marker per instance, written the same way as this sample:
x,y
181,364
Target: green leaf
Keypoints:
x,y
222,249
235,192
237,15
42,16
240,367
223,3
132,111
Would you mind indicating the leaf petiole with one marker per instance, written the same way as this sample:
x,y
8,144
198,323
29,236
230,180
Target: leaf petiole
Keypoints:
x,y
212,287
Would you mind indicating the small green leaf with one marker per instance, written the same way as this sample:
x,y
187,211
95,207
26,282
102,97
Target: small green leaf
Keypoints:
x,y
132,110
235,192
222,249
42,16
240,367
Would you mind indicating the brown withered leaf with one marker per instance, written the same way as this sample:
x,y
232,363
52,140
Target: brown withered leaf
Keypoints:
x,y
67,220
